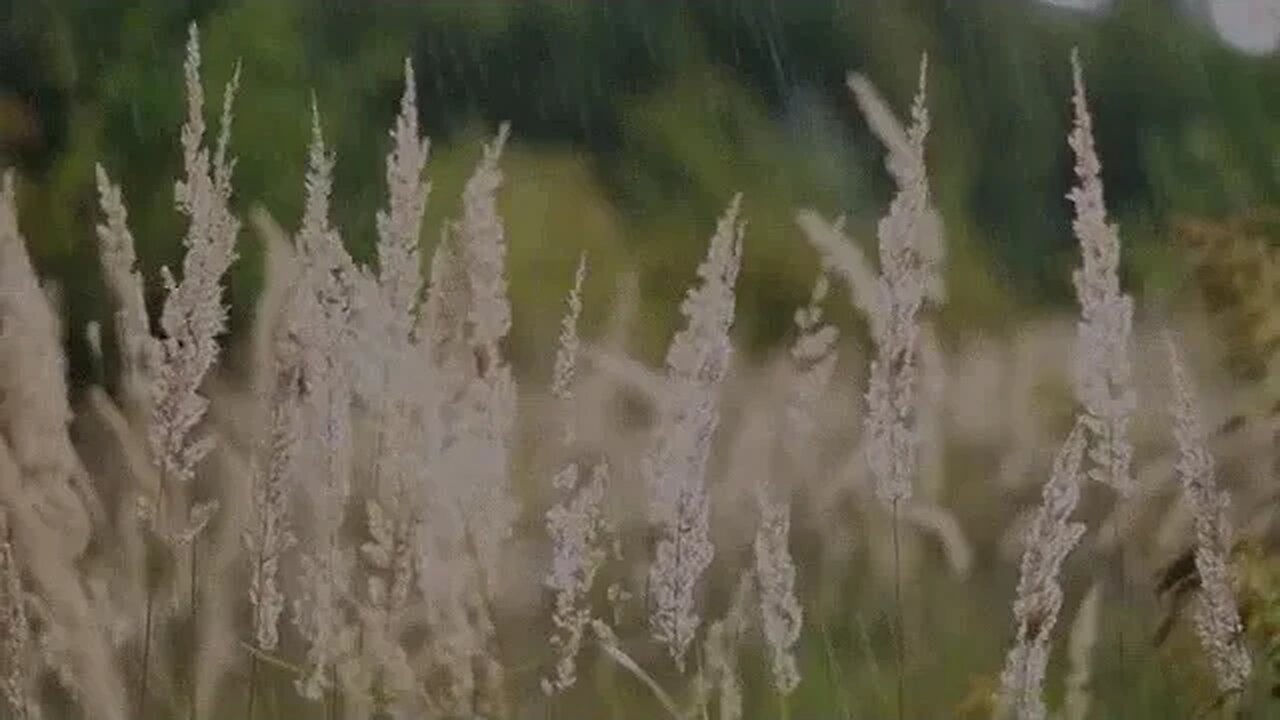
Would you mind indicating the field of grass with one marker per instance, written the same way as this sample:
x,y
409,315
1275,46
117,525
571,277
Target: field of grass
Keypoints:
x,y
361,507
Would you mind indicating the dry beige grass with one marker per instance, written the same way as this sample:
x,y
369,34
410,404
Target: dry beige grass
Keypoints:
x,y
352,522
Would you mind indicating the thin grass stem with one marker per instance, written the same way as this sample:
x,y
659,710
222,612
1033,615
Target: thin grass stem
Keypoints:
x,y
899,640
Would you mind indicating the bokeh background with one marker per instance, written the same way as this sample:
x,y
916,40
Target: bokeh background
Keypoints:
x,y
633,123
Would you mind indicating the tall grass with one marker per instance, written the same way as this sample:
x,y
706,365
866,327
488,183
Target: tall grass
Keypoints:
x,y
368,517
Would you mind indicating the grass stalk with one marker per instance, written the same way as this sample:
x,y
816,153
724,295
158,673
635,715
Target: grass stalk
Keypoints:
x,y
253,685
624,661
149,573
253,656
1122,654
195,628
899,640
146,654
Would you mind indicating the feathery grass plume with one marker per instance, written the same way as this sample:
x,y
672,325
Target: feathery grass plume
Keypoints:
x,y
384,672
840,255
813,364
486,410
577,528
675,466
320,322
399,226
274,458
191,321
220,648
74,640
910,248
721,673
194,316
386,677
780,613
392,307
1103,382
17,661
439,338
400,388
912,213
140,363
388,318
382,677
470,510
269,534
909,239
322,325
447,581
34,411
566,365
124,281
1101,366
1084,635
1216,619
439,329
576,522
399,282
49,525
274,465
1050,538
280,260
813,361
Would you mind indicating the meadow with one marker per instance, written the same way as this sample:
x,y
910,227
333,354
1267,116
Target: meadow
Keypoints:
x,y
359,506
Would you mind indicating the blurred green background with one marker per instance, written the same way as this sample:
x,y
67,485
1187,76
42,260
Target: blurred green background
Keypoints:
x,y
635,121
